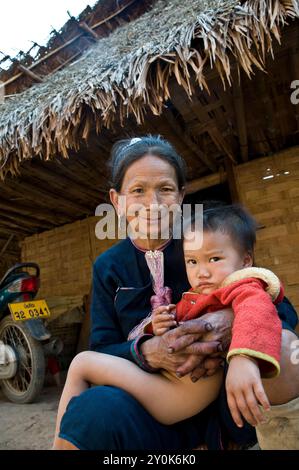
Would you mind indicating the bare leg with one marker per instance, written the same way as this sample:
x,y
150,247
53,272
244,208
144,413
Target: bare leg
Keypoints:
x,y
164,397
75,384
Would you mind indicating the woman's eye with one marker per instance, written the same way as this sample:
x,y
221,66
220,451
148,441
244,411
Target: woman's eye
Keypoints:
x,y
166,189
137,190
214,259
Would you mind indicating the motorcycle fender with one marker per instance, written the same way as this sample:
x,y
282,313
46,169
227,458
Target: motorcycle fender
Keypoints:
x,y
37,329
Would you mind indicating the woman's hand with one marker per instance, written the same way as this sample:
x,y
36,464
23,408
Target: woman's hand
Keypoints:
x,y
163,318
190,343
245,391
159,354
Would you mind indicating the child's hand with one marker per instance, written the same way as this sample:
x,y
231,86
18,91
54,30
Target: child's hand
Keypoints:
x,y
245,391
163,318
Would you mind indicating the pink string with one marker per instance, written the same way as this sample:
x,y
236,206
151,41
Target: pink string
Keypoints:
x,y
163,294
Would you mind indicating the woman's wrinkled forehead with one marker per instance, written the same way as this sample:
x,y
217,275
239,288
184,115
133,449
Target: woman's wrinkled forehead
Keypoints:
x,y
125,152
147,169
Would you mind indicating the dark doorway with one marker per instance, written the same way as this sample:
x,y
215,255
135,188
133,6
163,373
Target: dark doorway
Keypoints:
x,y
220,192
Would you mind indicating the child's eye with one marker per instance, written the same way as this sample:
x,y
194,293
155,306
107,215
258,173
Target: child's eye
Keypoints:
x,y
191,261
214,259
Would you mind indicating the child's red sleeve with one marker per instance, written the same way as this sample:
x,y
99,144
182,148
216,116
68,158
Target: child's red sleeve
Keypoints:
x,y
257,328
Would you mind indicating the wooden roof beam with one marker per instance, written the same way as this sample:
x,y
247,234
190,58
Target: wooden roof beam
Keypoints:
x,y
26,221
205,182
35,192
33,213
87,173
199,154
88,30
237,93
40,212
73,187
13,227
204,118
30,74
220,142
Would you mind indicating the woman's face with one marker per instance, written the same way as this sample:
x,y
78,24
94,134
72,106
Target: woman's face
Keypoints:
x,y
148,190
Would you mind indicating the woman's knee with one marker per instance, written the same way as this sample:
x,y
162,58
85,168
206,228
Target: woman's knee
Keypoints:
x,y
62,444
100,418
285,387
289,341
288,363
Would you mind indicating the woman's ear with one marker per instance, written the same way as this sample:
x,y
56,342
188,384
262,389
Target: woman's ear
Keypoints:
x,y
113,194
182,195
247,260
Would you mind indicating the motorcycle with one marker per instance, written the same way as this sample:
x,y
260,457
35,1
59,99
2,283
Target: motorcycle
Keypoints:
x,y
25,341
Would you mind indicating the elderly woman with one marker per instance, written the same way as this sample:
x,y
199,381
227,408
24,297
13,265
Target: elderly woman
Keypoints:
x,y
148,171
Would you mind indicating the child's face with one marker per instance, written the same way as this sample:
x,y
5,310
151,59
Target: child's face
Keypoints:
x,y
209,265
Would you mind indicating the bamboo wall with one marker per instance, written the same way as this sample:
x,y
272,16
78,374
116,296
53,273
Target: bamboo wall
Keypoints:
x,y
65,256
275,204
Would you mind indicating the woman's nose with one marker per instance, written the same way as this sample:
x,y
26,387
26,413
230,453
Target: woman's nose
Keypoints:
x,y
153,199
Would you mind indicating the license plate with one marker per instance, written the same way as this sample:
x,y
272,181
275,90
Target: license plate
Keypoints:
x,y
27,310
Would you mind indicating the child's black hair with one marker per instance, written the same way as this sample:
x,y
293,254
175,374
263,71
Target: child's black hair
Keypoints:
x,y
232,219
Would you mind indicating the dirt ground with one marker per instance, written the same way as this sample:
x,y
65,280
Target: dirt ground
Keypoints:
x,y
31,426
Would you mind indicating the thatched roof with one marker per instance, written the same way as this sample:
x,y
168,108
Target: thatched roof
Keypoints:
x,y
129,71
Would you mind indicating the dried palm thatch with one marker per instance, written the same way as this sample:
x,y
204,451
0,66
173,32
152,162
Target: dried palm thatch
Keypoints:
x,y
129,71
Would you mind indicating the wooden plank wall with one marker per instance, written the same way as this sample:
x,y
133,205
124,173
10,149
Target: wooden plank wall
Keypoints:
x,y
275,204
65,255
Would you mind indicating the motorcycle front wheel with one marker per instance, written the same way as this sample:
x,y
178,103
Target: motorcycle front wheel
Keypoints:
x,y
28,382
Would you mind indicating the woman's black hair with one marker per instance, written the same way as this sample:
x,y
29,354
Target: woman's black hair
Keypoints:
x,y
232,219
125,152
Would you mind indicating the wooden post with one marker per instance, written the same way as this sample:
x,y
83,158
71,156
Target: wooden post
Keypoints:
x,y
231,179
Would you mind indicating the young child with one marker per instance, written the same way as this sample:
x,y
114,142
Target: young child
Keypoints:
x,y
221,275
